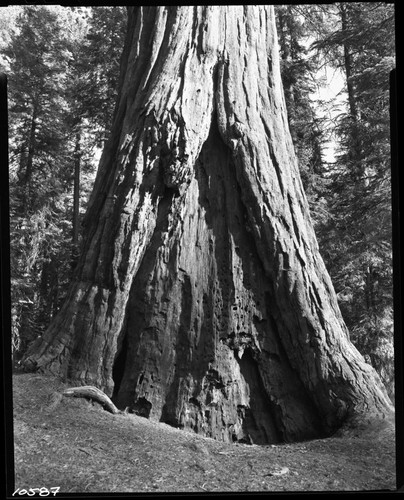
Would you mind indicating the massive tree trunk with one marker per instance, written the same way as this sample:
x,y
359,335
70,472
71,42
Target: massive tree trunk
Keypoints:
x,y
200,298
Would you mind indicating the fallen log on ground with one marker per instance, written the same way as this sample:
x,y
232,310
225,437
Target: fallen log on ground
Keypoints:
x,y
91,392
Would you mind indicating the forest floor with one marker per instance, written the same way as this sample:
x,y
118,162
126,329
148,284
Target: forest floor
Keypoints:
x,y
79,447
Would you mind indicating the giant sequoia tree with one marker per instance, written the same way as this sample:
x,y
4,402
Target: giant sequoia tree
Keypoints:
x,y
200,298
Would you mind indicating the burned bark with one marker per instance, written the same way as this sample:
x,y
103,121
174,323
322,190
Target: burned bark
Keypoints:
x,y
200,298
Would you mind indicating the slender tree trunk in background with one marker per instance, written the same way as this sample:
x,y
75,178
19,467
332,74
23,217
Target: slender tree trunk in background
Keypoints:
x,y
200,297
355,149
348,64
76,192
76,201
356,164
285,46
27,176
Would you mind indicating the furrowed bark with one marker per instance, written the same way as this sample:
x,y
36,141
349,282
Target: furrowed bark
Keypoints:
x,y
201,298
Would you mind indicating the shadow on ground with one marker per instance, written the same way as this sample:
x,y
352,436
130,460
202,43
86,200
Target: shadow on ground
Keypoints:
x,y
78,446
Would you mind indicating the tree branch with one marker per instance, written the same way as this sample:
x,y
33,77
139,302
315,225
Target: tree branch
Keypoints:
x,y
91,392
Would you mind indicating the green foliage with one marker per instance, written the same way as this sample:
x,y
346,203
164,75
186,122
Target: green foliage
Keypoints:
x,y
355,231
37,58
298,72
97,68
55,103
361,202
63,70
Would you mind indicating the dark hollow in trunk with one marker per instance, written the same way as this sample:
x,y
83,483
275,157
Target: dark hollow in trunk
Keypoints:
x,y
200,298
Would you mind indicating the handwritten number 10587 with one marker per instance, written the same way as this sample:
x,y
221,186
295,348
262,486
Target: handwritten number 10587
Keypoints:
x,y
42,492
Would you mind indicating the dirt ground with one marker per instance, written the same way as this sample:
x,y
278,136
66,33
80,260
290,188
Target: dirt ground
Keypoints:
x,y
79,447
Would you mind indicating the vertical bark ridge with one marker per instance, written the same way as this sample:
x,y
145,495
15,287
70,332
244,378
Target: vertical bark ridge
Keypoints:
x,y
201,262
242,395
291,297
